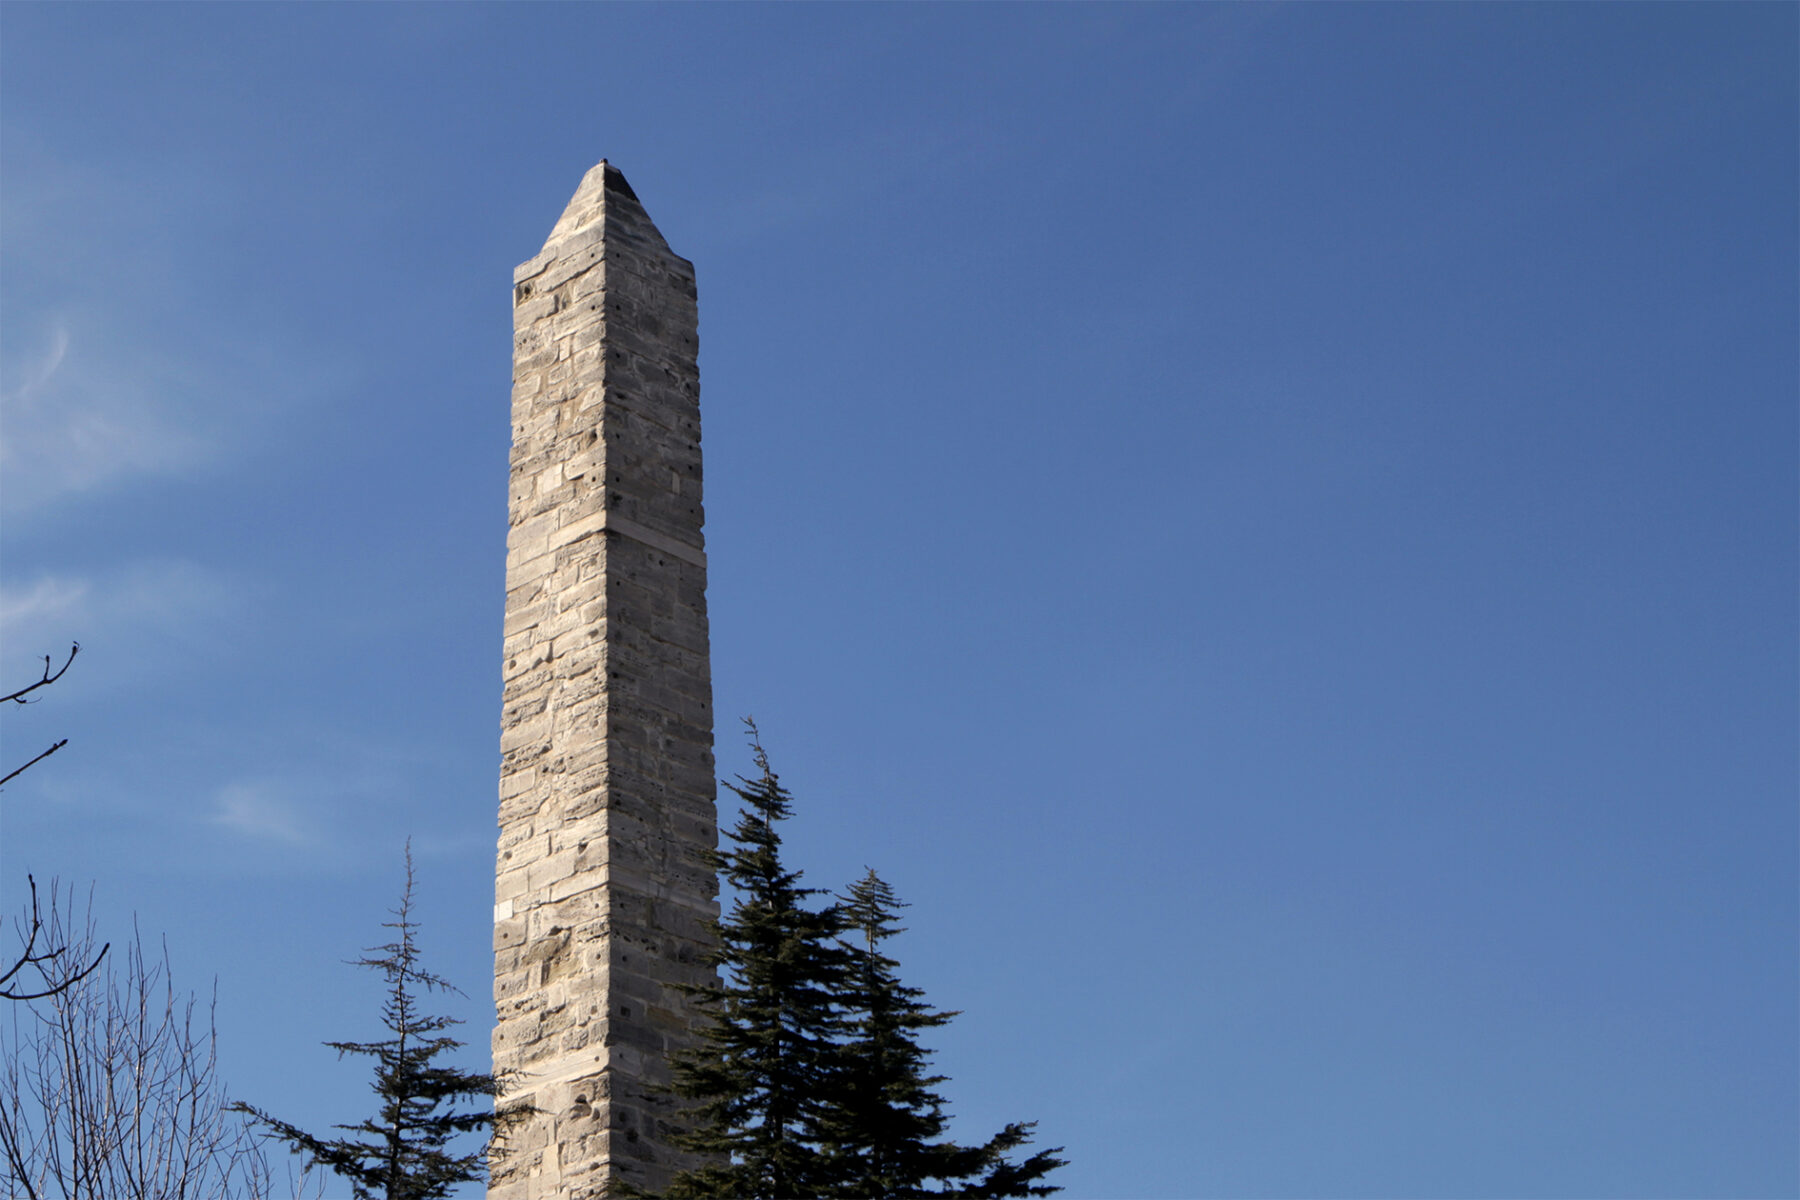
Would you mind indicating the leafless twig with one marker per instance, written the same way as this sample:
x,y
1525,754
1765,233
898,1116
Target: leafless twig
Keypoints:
x,y
44,962
18,697
40,758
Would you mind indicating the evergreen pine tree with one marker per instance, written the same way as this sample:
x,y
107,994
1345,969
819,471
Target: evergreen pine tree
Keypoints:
x,y
886,1116
402,1152
810,1080
762,1072
887,1112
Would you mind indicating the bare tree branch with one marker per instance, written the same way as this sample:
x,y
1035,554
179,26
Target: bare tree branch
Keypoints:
x,y
44,963
53,969
40,758
18,697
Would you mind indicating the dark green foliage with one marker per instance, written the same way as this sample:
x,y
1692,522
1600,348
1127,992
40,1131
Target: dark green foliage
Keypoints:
x,y
888,1117
762,1076
992,1174
402,1152
881,1137
811,1081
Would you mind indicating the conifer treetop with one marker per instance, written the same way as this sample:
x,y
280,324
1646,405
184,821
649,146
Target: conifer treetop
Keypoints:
x,y
403,1152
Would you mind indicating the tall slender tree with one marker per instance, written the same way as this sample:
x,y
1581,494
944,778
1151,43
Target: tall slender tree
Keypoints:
x,y
403,1152
887,1111
761,1076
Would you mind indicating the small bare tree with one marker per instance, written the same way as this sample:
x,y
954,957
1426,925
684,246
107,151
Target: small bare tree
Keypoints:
x,y
109,1085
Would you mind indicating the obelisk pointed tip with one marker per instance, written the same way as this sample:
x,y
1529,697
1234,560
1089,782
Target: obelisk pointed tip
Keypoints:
x,y
585,205
615,179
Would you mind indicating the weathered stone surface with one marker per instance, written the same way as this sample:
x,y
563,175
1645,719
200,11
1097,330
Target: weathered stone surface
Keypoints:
x,y
602,892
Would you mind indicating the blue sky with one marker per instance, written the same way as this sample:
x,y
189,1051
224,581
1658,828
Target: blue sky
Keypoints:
x,y
1274,527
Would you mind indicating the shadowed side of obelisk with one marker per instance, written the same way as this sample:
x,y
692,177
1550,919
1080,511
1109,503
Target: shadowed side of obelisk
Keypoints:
x,y
603,894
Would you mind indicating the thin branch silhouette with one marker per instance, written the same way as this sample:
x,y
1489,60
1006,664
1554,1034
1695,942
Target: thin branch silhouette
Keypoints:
x,y
30,957
18,697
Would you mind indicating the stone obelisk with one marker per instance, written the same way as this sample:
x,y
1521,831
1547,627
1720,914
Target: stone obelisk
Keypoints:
x,y
603,892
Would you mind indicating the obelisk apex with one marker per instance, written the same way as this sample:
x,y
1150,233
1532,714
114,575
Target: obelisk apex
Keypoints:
x,y
603,892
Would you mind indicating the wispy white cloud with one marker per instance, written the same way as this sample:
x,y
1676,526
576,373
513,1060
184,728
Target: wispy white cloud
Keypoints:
x,y
77,420
125,361
310,811
47,601
260,810
40,372
144,614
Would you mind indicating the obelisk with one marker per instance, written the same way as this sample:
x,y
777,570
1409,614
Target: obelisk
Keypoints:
x,y
603,893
